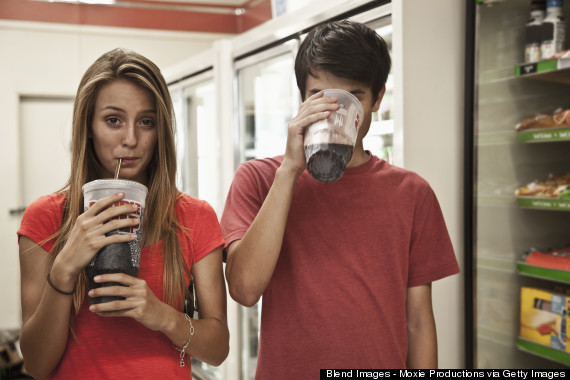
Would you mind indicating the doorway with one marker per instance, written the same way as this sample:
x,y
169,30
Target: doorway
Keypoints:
x,y
45,145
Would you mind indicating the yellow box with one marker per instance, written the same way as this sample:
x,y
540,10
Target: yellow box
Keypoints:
x,y
544,317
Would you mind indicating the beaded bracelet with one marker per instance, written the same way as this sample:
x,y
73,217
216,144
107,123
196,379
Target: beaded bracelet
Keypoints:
x,y
183,349
58,290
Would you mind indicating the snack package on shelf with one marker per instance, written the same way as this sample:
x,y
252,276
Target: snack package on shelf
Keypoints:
x,y
560,118
552,187
544,317
563,54
553,259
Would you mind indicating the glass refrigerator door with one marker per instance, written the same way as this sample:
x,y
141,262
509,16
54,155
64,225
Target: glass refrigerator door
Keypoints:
x,y
198,145
500,231
198,156
379,139
267,100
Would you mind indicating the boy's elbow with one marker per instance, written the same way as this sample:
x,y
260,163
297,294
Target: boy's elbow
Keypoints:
x,y
241,288
243,294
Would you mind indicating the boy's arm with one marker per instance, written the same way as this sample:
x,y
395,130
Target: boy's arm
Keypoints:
x,y
422,338
252,259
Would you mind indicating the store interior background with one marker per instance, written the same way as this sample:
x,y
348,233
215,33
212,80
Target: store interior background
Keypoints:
x,y
43,62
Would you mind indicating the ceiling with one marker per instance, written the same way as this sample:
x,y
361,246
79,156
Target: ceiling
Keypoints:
x,y
204,16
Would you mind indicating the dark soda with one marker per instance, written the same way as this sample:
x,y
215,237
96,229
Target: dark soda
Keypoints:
x,y
113,258
327,162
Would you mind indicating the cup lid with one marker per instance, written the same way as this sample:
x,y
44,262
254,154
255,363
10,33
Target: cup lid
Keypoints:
x,y
113,183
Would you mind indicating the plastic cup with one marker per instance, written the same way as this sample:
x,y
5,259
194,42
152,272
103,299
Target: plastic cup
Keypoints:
x,y
329,143
119,257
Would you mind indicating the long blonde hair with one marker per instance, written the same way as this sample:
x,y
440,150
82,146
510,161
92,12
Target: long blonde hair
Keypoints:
x,y
159,212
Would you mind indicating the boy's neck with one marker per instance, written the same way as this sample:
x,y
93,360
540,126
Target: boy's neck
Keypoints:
x,y
359,156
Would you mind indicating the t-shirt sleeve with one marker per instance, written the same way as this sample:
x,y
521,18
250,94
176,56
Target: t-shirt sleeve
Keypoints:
x,y
41,220
431,252
207,234
242,204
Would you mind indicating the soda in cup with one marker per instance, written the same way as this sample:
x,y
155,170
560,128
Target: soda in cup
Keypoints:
x,y
329,143
118,257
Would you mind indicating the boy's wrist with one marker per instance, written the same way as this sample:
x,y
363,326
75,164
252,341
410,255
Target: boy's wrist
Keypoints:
x,y
288,170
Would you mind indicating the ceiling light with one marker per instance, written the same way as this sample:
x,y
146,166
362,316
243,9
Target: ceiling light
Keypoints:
x,y
101,2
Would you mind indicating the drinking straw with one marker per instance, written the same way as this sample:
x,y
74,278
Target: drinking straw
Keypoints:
x,y
118,167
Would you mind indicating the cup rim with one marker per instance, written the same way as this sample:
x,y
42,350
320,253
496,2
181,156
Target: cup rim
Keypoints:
x,y
328,91
112,181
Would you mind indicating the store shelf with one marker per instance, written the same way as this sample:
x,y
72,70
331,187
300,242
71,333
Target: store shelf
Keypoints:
x,y
554,70
544,203
500,265
496,138
544,273
544,135
543,351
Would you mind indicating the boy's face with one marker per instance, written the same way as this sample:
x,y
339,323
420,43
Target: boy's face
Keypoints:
x,y
324,80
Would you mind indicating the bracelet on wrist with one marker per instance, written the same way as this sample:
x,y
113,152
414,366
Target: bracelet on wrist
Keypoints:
x,y
59,290
183,349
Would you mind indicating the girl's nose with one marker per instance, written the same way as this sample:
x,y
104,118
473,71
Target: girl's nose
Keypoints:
x,y
130,136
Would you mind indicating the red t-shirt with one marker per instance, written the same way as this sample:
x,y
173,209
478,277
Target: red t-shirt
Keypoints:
x,y
121,348
337,297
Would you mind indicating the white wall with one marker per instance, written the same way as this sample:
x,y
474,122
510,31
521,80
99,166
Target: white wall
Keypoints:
x,y
49,59
429,45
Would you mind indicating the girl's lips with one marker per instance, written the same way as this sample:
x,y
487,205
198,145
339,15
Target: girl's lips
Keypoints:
x,y
128,161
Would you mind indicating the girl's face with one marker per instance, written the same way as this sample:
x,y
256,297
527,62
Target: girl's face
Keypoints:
x,y
124,126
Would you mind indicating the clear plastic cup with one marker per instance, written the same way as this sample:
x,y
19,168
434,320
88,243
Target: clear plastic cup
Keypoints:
x,y
119,257
329,143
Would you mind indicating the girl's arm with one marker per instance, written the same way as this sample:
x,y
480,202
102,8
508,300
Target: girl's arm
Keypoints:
x,y
46,312
210,341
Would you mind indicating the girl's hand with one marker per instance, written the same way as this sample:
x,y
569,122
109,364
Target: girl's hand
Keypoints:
x,y
88,235
140,303
314,108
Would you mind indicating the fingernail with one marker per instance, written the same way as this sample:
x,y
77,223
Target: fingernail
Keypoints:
x,y
91,292
96,278
92,308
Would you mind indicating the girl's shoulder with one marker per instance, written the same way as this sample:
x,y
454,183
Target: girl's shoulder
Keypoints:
x,y
188,202
52,204
190,207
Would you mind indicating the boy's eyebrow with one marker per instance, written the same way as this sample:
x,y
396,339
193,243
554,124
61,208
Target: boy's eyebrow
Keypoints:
x,y
356,91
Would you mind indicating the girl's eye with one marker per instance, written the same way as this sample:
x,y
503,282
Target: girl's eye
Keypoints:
x,y
147,123
112,121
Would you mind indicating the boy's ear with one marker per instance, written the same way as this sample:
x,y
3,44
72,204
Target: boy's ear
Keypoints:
x,y
376,105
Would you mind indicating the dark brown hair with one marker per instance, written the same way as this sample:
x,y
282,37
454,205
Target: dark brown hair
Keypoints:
x,y
346,49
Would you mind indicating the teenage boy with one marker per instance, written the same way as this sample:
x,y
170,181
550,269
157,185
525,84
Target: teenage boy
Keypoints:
x,y
345,268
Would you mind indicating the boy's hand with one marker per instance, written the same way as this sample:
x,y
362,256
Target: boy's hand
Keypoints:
x,y
316,107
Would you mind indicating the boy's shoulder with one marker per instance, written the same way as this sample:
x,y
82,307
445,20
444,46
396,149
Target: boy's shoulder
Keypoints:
x,y
261,166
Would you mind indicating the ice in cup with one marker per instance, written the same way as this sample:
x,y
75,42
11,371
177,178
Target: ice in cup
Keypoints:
x,y
329,143
119,257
